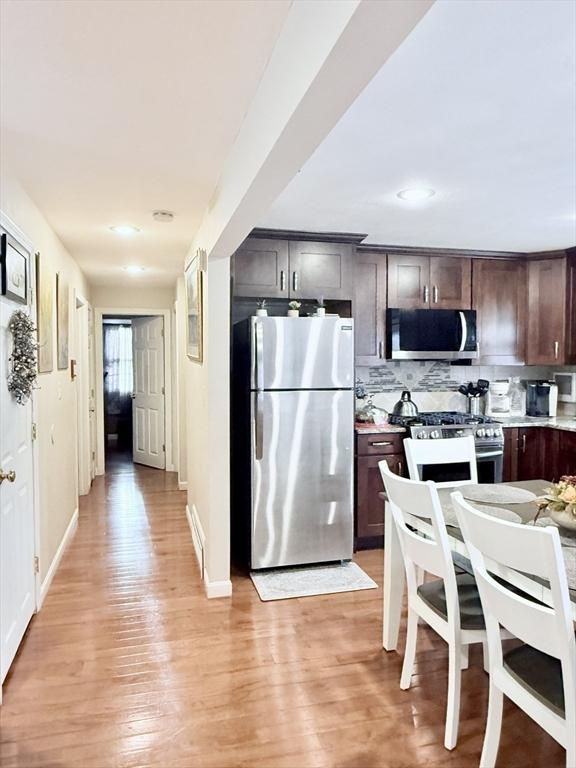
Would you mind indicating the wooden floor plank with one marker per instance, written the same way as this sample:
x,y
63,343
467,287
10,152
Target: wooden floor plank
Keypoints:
x,y
128,664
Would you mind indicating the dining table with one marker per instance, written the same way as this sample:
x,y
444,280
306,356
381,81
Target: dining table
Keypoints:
x,y
394,574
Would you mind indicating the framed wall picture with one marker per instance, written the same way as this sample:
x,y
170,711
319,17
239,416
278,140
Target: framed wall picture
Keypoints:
x,y
62,320
193,277
45,315
14,270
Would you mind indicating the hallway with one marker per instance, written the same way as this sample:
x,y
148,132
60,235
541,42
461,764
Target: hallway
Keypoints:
x,y
128,663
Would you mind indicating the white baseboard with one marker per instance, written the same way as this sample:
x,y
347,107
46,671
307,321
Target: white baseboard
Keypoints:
x,y
213,588
217,588
66,539
198,537
182,485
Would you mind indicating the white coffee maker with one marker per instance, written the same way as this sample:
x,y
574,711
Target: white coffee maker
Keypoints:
x,y
498,401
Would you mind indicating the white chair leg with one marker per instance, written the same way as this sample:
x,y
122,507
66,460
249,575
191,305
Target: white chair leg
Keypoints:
x,y
410,651
493,728
464,656
453,707
486,656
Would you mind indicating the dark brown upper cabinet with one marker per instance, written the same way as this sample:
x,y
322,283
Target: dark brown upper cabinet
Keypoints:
x,y
370,308
551,308
450,282
409,282
261,269
429,282
277,269
499,298
321,269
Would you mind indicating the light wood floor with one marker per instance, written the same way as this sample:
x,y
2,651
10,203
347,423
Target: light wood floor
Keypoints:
x,y
129,665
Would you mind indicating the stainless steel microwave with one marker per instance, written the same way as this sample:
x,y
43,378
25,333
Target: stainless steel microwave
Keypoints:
x,y
431,334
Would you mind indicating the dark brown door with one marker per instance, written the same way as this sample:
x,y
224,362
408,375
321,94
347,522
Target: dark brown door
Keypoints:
x,y
499,298
408,282
370,307
369,506
510,468
260,268
450,283
566,455
321,269
530,453
546,312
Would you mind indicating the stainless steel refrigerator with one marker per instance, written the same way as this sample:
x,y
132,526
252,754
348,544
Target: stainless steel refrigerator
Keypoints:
x,y
301,421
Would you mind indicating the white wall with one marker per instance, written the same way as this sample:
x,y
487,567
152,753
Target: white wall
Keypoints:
x,y
132,297
55,399
208,431
181,391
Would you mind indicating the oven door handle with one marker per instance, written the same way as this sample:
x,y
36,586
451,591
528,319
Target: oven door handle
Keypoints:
x,y
489,454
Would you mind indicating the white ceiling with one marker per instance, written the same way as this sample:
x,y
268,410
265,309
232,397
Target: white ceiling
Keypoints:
x,y
479,103
111,110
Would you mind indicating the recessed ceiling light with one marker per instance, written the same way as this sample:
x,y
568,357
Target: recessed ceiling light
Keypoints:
x,y
124,229
414,195
133,269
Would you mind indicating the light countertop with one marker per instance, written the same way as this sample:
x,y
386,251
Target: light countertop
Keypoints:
x,y
564,423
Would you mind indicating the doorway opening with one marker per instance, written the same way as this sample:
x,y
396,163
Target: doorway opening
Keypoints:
x,y
133,384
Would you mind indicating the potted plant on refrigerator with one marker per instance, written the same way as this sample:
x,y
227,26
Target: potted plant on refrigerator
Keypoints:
x,y
261,310
294,309
321,308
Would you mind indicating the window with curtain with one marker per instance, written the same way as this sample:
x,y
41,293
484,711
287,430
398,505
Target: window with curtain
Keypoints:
x,y
118,364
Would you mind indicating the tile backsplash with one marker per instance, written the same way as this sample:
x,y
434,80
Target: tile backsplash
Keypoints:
x,y
438,375
434,384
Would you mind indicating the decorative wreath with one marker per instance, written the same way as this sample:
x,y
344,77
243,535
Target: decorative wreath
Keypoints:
x,y
23,371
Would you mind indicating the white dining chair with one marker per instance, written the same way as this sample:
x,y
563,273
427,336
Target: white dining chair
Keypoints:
x,y
456,450
540,675
450,604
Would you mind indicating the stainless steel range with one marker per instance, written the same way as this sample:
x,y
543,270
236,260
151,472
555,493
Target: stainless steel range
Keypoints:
x,y
487,433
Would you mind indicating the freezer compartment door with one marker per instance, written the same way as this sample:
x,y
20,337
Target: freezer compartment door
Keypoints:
x,y
302,475
302,353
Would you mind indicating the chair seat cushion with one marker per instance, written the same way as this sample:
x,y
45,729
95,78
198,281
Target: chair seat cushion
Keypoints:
x,y
471,616
539,673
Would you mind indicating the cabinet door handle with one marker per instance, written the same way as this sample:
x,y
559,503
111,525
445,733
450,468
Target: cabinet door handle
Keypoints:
x,y
426,295
435,294
523,443
382,442
282,280
381,350
556,349
400,467
295,281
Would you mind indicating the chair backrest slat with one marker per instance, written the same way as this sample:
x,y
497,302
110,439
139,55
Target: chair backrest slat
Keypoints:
x,y
410,500
457,450
530,550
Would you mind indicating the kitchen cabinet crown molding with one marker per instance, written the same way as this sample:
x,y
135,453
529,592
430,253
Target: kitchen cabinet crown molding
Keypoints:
x,y
352,238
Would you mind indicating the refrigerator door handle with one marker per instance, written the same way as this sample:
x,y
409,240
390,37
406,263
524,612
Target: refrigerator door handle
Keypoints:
x,y
257,371
258,427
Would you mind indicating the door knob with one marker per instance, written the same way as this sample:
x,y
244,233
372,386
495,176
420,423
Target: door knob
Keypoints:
x,y
10,476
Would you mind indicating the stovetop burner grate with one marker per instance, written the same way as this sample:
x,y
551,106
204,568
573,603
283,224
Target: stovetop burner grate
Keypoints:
x,y
439,418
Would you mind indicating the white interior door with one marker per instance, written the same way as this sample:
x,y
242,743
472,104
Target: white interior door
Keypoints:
x,y
92,392
17,550
148,399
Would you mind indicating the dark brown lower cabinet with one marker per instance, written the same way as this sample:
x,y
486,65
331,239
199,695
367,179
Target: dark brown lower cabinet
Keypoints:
x,y
369,512
534,453
566,462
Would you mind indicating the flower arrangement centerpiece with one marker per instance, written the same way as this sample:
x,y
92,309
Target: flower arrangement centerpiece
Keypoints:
x,y
560,502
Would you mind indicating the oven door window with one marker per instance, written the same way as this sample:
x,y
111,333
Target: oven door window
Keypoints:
x,y
446,473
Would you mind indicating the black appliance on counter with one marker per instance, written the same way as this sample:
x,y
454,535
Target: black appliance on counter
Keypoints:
x,y
431,334
488,440
541,398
